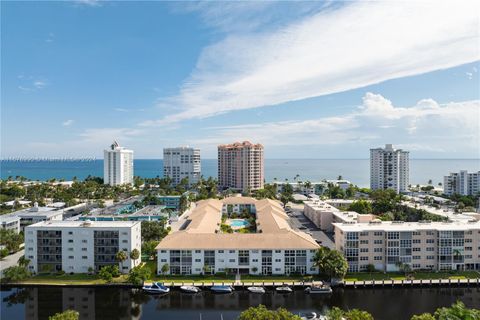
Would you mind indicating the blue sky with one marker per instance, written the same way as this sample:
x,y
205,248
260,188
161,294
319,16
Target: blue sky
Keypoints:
x,y
308,80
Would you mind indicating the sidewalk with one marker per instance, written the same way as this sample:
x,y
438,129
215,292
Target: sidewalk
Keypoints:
x,y
11,260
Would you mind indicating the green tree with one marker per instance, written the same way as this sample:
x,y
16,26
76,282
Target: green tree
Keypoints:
x,y
138,275
262,313
65,315
134,255
356,314
15,273
165,268
335,314
23,261
457,311
153,230
105,274
149,248
361,206
423,316
331,263
121,256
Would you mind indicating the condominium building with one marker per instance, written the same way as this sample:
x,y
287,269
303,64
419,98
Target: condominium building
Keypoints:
x,y
240,166
324,215
20,219
77,246
389,169
200,246
117,165
420,245
10,222
463,182
180,163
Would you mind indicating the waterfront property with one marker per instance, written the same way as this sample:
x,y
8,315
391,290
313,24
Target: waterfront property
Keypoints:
x,y
389,169
171,202
240,166
180,163
77,246
199,247
390,246
463,182
324,215
117,165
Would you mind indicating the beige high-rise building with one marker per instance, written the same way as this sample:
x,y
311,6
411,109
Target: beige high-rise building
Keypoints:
x,y
240,166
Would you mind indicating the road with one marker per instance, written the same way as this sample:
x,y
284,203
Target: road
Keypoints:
x,y
11,260
299,221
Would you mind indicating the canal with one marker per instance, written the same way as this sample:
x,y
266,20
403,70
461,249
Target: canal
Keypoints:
x,y
121,303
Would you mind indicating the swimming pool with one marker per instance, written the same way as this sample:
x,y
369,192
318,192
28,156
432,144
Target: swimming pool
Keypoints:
x,y
239,223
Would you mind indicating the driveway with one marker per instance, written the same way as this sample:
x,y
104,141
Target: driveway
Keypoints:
x,y
299,221
11,260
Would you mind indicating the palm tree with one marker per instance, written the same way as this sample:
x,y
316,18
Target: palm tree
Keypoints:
x,y
134,255
121,256
165,268
23,262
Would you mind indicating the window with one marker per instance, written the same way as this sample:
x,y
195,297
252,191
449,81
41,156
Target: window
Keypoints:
x,y
416,257
70,257
278,251
231,260
377,249
278,260
430,240
364,258
377,258
416,249
198,251
198,260
70,232
363,249
124,241
163,260
70,240
220,251
417,241
231,251
430,249
84,249
84,257
163,251
363,241
377,241
84,241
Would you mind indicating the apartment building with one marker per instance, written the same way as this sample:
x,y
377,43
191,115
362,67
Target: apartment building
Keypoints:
x,y
10,222
180,163
324,215
420,245
463,182
117,165
201,247
240,166
77,246
389,169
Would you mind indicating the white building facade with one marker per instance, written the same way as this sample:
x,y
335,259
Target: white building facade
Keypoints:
x,y
389,169
463,182
180,163
117,165
77,246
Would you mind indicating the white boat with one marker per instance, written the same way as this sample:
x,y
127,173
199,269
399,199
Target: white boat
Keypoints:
x,y
284,289
156,287
309,316
256,289
190,289
222,289
318,288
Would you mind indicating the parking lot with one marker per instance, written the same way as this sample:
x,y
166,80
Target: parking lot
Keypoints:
x,y
299,221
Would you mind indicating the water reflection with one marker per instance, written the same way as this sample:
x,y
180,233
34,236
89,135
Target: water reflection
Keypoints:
x,y
117,303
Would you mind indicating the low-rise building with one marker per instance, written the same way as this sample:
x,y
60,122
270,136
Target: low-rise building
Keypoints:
x,y
77,246
171,202
324,215
35,214
8,222
421,245
200,246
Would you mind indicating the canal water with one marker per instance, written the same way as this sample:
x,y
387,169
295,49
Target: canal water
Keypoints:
x,y
120,303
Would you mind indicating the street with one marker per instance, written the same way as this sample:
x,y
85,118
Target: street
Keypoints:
x,y
11,260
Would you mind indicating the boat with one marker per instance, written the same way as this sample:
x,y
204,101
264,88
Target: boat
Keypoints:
x,y
256,289
309,316
156,287
190,289
318,287
222,289
284,289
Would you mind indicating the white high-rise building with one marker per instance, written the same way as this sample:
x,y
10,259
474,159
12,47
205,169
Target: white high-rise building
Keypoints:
x,y
462,182
389,169
117,165
180,163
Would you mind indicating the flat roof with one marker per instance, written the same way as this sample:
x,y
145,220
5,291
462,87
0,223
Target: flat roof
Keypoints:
x,y
273,229
407,226
8,218
87,224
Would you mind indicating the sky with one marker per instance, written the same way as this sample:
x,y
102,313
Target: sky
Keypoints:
x,y
310,80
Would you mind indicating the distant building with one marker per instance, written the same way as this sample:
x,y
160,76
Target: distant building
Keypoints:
x,y
389,169
240,166
462,182
117,165
180,163
171,202
76,246
9,222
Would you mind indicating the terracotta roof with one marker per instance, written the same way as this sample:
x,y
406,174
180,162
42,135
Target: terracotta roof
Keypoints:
x,y
273,229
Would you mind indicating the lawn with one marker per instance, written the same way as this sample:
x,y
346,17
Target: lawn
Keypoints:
x,y
66,279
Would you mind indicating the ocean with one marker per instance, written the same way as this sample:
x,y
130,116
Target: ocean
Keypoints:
x,y
355,170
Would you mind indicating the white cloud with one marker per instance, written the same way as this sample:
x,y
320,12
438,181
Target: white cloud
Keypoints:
x,y
89,3
335,50
50,38
31,83
39,84
427,126
67,123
